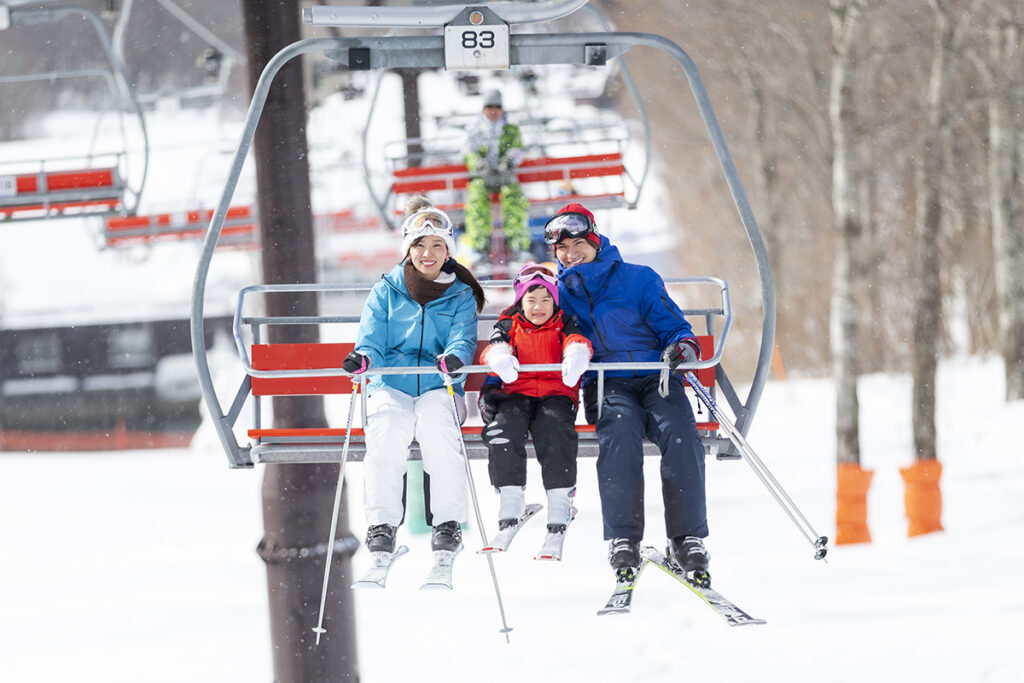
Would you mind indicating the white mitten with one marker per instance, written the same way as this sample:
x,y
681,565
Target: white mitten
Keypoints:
x,y
575,360
503,363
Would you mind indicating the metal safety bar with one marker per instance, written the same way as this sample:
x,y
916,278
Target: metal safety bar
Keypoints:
x,y
240,344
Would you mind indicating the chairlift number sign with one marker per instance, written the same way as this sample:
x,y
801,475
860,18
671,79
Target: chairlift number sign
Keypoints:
x,y
476,45
8,186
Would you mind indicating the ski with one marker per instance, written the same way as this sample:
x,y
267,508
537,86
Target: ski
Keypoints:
x,y
553,542
503,539
733,615
440,576
376,575
622,597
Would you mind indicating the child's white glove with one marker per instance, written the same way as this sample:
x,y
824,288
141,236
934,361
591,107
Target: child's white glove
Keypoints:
x,y
503,363
575,360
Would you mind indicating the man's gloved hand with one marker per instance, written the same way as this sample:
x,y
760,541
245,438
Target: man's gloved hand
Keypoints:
x,y
502,362
448,364
683,351
490,397
575,360
355,363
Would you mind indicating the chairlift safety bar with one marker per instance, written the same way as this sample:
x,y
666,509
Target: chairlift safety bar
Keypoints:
x,y
240,344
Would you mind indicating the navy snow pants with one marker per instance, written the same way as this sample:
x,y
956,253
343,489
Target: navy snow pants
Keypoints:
x,y
632,409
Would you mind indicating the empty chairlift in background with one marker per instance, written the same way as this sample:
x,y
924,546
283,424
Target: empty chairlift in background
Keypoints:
x,y
93,181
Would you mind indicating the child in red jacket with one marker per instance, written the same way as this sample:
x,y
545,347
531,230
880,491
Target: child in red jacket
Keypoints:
x,y
532,331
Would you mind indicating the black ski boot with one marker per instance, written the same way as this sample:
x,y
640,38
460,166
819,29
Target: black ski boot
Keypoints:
x,y
447,536
692,557
624,557
506,523
380,538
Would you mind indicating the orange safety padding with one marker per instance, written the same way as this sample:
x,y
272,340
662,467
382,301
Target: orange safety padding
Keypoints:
x,y
72,180
852,484
923,498
26,184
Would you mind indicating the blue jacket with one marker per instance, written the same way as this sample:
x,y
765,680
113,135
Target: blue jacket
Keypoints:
x,y
395,331
622,308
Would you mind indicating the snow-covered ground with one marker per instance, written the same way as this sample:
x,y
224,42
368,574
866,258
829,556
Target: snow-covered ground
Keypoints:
x,y
141,566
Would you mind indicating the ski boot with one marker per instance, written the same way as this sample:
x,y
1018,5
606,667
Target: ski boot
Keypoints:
x,y
380,538
447,536
689,553
624,557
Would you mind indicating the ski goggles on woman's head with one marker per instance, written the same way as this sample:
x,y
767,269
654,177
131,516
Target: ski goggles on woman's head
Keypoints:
x,y
568,224
427,222
533,271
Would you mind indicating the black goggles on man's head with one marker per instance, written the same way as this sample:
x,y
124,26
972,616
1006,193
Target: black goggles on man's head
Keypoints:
x,y
567,225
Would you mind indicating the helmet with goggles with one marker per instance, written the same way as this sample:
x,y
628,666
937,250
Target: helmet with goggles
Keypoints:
x,y
572,220
535,274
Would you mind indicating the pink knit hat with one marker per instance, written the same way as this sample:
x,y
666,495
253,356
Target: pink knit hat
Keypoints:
x,y
535,274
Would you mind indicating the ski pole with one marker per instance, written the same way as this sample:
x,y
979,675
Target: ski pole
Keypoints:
x,y
771,483
506,629
319,629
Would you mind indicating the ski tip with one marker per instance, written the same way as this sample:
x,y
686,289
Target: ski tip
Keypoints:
x,y
435,587
489,549
548,558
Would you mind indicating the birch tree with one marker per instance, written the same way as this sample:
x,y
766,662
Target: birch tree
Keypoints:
x,y
947,39
1000,74
846,18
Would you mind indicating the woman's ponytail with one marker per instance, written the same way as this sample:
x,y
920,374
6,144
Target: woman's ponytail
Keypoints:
x,y
464,274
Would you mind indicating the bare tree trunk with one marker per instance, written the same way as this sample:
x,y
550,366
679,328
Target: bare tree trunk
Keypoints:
x,y
1004,180
297,499
927,330
845,15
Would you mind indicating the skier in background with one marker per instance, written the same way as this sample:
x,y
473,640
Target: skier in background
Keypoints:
x,y
423,312
533,330
625,311
493,151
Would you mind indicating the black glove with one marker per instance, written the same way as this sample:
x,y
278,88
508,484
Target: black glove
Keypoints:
x,y
355,363
448,364
683,351
490,397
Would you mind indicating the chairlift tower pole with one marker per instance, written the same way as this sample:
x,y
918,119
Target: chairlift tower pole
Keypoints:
x,y
297,499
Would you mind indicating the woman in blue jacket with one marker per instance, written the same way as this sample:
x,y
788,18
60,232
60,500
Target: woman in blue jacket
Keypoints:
x,y
626,313
423,312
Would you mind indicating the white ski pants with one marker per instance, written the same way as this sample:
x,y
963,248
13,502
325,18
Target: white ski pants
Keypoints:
x,y
393,419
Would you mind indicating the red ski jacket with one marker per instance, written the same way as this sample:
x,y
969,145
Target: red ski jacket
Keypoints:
x,y
532,344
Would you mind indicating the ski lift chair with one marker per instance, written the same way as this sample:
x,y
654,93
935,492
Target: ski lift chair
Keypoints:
x,y
458,24
72,186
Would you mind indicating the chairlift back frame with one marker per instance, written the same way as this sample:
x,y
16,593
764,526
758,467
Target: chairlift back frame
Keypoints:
x,y
393,51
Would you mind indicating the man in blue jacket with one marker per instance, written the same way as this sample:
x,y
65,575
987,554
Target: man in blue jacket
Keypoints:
x,y
626,312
